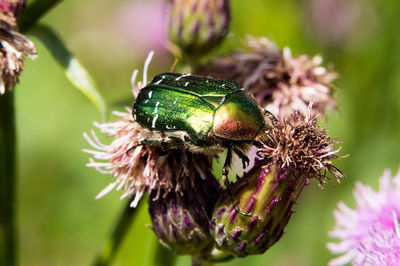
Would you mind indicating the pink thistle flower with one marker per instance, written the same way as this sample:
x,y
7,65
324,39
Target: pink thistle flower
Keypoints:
x,y
369,234
281,82
333,21
144,167
142,25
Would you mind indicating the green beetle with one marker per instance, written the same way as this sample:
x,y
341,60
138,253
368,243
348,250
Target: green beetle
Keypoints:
x,y
201,114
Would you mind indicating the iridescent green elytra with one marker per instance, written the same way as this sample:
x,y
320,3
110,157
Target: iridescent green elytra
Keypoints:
x,y
208,110
212,114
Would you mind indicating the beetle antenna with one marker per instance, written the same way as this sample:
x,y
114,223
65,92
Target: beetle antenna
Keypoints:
x,y
225,172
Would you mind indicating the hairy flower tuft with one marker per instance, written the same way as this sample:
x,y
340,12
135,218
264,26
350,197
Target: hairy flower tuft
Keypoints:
x,y
369,234
299,142
281,83
144,167
13,47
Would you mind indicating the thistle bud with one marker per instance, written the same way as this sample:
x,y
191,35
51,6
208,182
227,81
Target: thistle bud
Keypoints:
x,y
293,152
197,26
269,195
181,219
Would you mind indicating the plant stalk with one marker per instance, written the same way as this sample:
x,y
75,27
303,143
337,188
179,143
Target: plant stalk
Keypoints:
x,y
34,12
110,248
163,256
199,261
8,229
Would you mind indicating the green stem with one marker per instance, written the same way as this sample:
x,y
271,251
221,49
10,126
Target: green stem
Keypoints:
x,y
7,181
199,261
110,248
163,256
34,12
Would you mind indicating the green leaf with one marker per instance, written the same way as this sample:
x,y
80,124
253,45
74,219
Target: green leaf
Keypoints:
x,y
74,71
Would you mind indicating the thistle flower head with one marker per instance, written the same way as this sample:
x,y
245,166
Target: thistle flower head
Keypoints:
x,y
292,152
13,45
369,234
139,168
197,26
282,83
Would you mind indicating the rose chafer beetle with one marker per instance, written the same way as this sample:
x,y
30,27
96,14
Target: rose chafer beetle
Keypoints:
x,y
201,114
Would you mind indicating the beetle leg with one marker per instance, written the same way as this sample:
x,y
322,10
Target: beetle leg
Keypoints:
x,y
273,119
128,151
242,156
145,142
225,172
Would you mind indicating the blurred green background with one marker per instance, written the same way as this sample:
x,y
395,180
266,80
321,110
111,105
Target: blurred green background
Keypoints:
x,y
59,221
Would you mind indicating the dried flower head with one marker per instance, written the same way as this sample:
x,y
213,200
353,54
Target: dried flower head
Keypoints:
x,y
369,234
292,152
13,45
280,82
300,143
138,168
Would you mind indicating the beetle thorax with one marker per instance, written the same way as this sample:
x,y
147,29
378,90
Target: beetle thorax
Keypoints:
x,y
232,123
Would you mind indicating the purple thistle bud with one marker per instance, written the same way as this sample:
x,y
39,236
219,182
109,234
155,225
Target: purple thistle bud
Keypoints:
x,y
293,152
197,26
280,82
269,195
181,219
13,45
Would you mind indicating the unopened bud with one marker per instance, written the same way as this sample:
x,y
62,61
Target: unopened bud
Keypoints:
x,y
269,195
197,26
181,219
